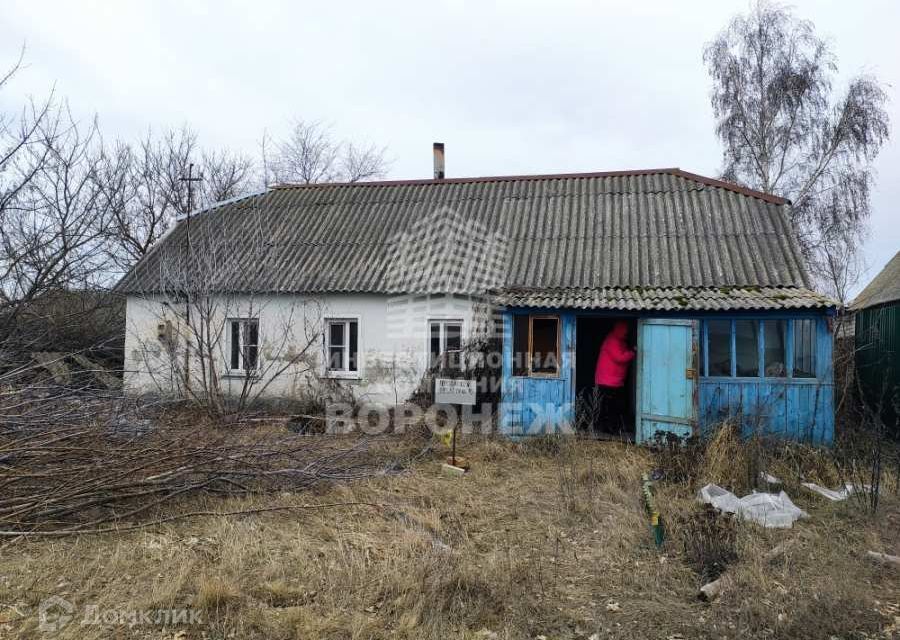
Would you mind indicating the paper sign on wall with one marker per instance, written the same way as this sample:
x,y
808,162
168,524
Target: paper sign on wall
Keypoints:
x,y
454,391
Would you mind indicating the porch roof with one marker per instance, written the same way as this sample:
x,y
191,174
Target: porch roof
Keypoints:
x,y
666,298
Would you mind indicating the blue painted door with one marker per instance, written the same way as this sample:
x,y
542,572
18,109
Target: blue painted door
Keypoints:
x,y
667,378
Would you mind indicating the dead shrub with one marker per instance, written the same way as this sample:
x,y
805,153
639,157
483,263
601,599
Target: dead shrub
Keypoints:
x,y
677,459
708,541
733,461
215,593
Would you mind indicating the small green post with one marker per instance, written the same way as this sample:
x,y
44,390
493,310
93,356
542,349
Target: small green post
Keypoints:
x,y
656,524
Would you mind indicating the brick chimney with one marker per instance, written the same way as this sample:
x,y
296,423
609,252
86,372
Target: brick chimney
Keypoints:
x,y
438,160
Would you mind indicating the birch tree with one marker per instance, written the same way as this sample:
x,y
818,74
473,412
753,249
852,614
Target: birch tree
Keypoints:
x,y
787,130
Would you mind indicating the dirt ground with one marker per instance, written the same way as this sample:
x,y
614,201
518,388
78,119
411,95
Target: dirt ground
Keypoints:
x,y
543,539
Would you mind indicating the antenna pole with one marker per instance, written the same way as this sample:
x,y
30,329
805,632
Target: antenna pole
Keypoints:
x,y
190,178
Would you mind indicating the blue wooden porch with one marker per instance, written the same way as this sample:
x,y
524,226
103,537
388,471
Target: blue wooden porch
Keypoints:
x,y
693,371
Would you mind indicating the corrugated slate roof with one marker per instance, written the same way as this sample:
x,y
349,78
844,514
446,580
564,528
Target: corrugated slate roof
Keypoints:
x,y
885,287
667,299
657,228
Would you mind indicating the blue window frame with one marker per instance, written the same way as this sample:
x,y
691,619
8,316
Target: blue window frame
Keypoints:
x,y
758,348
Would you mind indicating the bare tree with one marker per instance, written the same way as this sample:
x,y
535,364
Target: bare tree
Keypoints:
x,y
52,234
212,337
310,154
787,131
145,187
53,219
18,133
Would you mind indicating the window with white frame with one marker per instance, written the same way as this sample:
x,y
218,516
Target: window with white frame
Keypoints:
x,y
445,344
243,347
342,345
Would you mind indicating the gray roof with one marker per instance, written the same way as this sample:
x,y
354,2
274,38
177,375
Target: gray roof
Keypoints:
x,y
885,287
668,299
655,228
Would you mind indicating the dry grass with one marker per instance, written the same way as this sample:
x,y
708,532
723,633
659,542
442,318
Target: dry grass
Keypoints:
x,y
543,538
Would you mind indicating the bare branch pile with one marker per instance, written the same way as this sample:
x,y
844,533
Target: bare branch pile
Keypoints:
x,y
81,465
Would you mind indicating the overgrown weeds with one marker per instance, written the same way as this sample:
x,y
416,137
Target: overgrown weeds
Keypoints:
x,y
708,541
526,544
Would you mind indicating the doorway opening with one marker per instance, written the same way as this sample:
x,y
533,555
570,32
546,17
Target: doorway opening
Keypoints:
x,y
600,411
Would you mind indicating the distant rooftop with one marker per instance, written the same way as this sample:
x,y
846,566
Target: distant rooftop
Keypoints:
x,y
884,288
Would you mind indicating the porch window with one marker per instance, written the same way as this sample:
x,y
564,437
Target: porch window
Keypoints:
x,y
775,348
342,345
445,344
804,349
784,347
746,346
719,347
536,345
243,352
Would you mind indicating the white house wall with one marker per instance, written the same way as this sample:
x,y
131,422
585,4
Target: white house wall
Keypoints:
x,y
393,342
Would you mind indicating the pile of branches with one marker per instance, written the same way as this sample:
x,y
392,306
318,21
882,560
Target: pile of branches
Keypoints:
x,y
76,464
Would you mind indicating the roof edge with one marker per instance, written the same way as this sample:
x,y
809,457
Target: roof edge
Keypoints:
x,y
675,171
731,186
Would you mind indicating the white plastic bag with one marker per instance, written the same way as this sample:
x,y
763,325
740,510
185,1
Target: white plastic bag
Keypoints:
x,y
768,509
835,496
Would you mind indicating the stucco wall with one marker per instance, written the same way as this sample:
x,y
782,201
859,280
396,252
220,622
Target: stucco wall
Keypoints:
x,y
392,342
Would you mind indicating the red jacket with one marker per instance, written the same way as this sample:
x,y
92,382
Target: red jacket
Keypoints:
x,y
615,354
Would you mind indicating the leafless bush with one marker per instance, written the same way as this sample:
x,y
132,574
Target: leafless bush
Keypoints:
x,y
708,540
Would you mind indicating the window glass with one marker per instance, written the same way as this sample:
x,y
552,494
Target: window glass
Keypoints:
x,y
520,345
354,346
804,348
544,345
251,343
453,344
719,347
746,346
336,345
453,336
243,351
445,343
235,356
434,340
775,348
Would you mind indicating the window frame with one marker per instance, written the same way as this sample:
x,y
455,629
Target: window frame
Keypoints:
x,y
242,370
814,355
442,338
530,373
789,349
345,372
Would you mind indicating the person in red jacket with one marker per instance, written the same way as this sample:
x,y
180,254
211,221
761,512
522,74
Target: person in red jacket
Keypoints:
x,y
615,356
612,370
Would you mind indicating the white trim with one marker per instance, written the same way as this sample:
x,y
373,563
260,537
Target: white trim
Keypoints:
x,y
442,334
215,205
241,371
343,374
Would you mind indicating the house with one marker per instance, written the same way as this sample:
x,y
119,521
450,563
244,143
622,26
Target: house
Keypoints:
x,y
876,312
375,282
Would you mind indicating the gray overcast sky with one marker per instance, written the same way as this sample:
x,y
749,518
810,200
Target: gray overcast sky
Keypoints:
x,y
515,87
